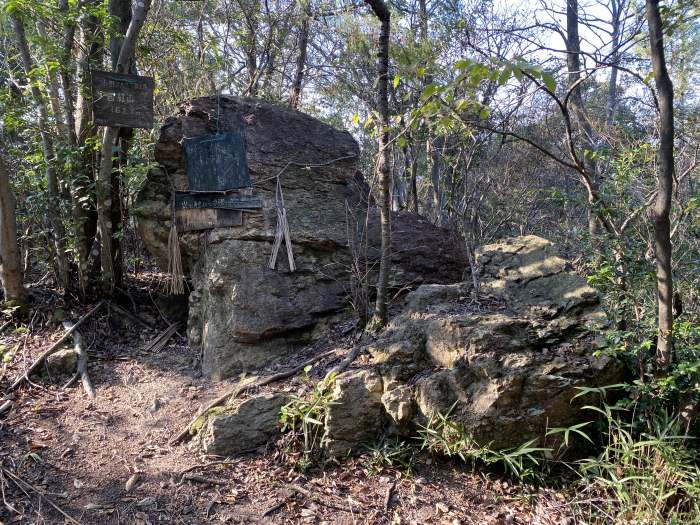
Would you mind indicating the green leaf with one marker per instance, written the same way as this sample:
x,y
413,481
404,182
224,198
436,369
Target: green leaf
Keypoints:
x,y
549,82
505,75
429,91
397,79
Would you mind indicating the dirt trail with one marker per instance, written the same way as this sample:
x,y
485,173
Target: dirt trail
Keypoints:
x,y
82,454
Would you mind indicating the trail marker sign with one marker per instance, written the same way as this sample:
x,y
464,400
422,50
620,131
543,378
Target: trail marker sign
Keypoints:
x,y
189,201
122,100
219,187
217,163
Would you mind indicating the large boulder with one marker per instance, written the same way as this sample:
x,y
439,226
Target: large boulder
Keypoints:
x,y
242,313
507,366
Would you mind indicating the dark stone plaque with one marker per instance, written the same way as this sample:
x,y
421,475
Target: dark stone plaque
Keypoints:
x,y
188,201
122,100
217,162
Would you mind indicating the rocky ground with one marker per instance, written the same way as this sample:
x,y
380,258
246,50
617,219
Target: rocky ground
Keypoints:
x,y
67,459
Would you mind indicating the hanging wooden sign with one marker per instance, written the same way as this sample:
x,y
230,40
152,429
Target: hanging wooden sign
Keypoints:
x,y
217,162
203,211
122,100
206,219
190,201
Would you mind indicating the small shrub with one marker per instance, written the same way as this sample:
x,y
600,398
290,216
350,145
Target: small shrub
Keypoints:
x,y
444,436
391,453
645,477
302,419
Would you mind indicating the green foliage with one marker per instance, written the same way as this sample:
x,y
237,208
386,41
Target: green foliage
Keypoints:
x,y
302,419
444,436
641,476
391,453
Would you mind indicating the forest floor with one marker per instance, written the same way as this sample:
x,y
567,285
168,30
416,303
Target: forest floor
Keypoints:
x,y
68,459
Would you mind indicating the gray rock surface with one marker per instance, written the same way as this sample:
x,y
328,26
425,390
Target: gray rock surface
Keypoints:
x,y
508,368
354,415
63,362
243,314
250,424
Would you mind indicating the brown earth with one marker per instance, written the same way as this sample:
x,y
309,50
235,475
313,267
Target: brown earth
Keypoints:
x,y
81,454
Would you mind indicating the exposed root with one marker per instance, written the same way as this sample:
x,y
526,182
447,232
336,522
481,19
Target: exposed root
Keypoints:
x,y
82,371
240,388
53,348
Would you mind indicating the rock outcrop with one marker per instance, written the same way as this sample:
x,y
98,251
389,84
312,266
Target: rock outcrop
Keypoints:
x,y
354,413
245,426
242,313
506,367
63,362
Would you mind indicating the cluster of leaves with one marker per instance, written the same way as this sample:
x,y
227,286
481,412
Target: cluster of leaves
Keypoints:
x,y
646,474
302,420
391,453
444,436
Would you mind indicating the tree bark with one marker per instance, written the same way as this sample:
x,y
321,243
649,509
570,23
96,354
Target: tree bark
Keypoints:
x,y
382,166
77,193
251,10
616,10
414,177
10,273
91,46
104,174
662,207
297,85
573,62
57,234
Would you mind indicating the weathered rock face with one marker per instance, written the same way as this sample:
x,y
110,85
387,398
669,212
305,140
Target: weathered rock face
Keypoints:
x,y
508,368
354,414
63,361
248,425
242,313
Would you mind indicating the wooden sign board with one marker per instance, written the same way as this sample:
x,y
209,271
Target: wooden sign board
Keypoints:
x,y
203,211
189,201
194,219
217,162
122,100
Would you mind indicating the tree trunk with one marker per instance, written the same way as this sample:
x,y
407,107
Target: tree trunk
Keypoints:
x,y
662,207
573,62
297,85
77,193
91,50
382,12
104,174
616,10
250,10
121,11
10,273
414,177
57,234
